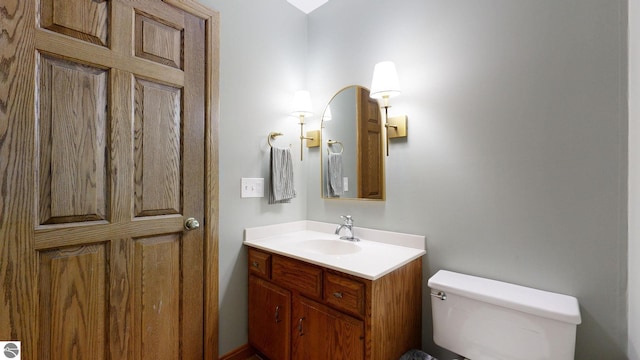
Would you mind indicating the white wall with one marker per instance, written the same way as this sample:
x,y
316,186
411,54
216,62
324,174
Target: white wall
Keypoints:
x,y
515,167
262,63
634,180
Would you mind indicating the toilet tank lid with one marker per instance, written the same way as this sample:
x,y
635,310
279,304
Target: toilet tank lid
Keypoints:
x,y
533,301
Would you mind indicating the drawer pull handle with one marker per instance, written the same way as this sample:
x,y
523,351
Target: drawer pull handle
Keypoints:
x,y
300,327
255,264
338,295
277,314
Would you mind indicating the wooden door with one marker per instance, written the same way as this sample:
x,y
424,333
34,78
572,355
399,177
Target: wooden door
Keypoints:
x,y
370,160
269,319
321,333
108,146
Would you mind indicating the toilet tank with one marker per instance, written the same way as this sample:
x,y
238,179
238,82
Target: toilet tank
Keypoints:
x,y
486,319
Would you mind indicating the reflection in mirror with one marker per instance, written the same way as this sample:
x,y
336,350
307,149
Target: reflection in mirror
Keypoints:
x,y
352,145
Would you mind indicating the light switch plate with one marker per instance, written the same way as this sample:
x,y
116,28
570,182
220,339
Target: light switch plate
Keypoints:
x,y
252,187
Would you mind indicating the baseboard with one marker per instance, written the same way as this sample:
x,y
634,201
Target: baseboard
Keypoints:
x,y
242,353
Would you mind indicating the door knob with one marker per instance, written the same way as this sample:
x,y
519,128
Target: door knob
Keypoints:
x,y
191,224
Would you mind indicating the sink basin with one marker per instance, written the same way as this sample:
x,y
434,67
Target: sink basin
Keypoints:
x,y
330,247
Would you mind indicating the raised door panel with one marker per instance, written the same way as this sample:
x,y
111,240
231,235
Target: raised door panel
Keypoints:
x,y
371,171
321,333
157,285
73,310
86,20
269,318
158,41
73,184
157,149
372,185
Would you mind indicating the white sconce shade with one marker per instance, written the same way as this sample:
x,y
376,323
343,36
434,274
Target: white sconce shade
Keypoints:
x,y
301,104
385,81
385,85
327,114
301,107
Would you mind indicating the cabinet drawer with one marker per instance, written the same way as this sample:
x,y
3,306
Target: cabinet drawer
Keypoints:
x,y
343,293
297,275
259,263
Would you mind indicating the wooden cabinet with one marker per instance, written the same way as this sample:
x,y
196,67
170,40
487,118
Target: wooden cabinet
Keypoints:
x,y
270,316
322,333
299,310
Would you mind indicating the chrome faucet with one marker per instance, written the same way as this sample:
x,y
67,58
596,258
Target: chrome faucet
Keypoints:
x,y
348,225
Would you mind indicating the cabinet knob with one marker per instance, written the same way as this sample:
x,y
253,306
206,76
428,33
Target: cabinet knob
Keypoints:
x,y
338,295
255,264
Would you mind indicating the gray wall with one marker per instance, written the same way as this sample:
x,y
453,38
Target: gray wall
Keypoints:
x,y
515,167
262,63
515,164
634,179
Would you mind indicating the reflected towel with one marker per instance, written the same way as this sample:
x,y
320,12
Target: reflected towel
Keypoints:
x,y
281,175
334,174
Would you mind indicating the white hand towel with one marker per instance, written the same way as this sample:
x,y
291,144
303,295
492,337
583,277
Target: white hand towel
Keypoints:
x,y
281,175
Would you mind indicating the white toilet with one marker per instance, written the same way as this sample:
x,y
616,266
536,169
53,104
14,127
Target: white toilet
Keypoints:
x,y
484,319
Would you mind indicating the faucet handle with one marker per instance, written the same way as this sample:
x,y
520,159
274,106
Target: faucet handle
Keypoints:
x,y
348,220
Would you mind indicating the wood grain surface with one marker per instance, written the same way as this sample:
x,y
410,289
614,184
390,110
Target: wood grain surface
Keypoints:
x,y
84,275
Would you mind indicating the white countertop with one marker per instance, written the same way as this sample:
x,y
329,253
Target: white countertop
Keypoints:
x,y
375,255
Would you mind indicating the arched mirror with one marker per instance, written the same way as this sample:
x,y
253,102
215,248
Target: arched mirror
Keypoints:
x,y
352,146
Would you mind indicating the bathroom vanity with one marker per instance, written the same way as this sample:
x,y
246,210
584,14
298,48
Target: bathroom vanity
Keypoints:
x,y
313,296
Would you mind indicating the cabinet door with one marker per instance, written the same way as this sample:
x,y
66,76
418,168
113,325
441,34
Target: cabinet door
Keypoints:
x,y
269,318
322,333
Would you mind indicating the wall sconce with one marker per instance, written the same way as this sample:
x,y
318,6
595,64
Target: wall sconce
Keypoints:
x,y
384,86
301,107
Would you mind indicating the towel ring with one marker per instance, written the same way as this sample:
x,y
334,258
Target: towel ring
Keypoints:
x,y
333,142
272,136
